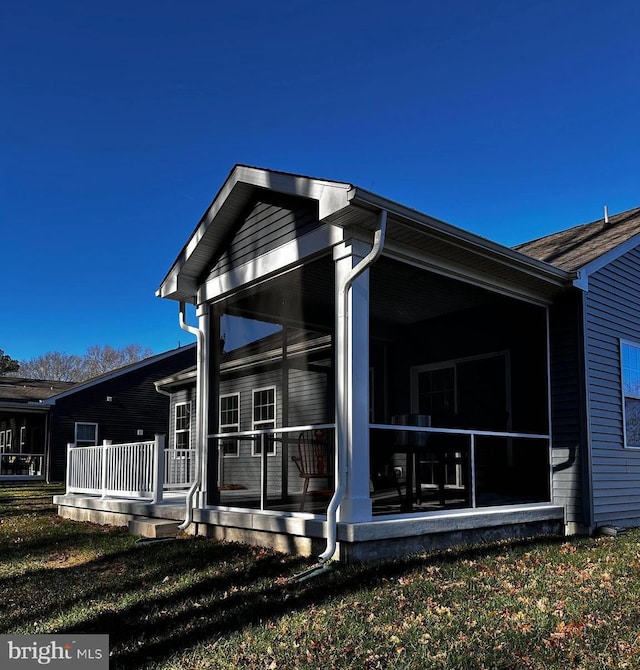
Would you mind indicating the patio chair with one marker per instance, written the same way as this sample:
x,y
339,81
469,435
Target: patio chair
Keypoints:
x,y
314,461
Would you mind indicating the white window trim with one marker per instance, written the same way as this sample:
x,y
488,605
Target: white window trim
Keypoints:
x,y
177,430
22,440
257,425
85,443
2,436
235,426
624,395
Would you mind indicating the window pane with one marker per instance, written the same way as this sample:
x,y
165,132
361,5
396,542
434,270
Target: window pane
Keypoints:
x,y
182,440
183,416
86,432
631,370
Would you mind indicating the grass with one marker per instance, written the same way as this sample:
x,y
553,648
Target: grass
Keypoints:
x,y
194,603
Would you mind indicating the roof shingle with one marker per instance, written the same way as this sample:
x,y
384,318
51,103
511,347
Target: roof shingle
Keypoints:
x,y
576,247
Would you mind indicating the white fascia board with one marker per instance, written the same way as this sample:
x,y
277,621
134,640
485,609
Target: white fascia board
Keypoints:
x,y
178,287
464,274
284,257
582,281
331,195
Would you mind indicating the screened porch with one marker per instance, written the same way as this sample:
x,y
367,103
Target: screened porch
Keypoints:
x,y
456,395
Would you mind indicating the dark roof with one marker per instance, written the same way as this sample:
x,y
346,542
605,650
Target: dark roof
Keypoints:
x,y
81,386
20,389
576,247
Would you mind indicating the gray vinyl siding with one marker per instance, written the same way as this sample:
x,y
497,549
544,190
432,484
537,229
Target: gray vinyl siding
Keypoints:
x,y
612,309
246,468
309,398
267,226
567,408
308,403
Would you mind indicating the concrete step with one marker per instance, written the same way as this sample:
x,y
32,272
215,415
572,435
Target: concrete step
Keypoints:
x,y
149,527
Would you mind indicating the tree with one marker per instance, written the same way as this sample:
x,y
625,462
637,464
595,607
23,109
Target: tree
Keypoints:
x,y
7,364
97,360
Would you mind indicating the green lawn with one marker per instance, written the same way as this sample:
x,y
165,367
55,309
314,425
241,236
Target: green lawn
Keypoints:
x,y
195,603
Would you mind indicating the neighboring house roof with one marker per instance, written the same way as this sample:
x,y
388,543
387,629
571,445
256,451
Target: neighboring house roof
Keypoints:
x,y
587,245
21,389
117,373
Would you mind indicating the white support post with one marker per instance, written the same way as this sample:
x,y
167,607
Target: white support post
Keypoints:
x,y
202,400
352,381
158,471
472,469
70,446
103,467
263,472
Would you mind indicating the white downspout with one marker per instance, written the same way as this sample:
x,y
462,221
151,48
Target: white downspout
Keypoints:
x,y
342,429
199,416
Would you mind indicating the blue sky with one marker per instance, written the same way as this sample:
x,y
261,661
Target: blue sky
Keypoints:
x,y
119,121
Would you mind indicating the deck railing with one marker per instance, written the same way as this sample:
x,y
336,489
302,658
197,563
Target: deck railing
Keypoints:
x,y
133,470
468,453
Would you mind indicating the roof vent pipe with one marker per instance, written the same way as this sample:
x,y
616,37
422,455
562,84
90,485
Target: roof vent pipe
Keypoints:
x,y
606,216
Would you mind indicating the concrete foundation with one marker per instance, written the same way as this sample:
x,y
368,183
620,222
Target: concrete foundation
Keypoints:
x,y
304,534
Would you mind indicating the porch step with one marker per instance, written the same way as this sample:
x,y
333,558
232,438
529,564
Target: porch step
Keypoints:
x,y
149,527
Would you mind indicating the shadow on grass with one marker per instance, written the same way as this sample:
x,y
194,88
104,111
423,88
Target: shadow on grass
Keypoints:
x,y
159,600
159,625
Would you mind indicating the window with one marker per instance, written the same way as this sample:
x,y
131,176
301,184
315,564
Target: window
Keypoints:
x,y
8,439
230,423
183,426
1,439
630,356
86,434
435,390
264,415
23,437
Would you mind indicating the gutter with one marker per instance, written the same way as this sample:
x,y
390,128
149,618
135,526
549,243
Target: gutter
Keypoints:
x,y
423,222
197,484
342,429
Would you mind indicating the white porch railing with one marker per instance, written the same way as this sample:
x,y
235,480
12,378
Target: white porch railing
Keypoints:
x,y
134,470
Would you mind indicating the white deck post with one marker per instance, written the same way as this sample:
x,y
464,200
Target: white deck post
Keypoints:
x,y
354,326
70,446
103,467
158,471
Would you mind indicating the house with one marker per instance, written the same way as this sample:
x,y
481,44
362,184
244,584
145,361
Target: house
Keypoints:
x,y
24,426
462,390
119,406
